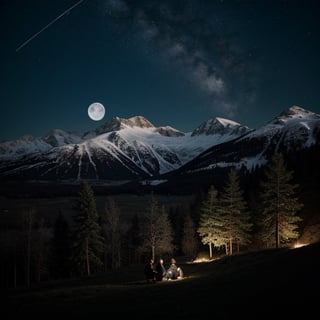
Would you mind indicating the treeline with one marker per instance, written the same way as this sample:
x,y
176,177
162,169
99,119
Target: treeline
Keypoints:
x,y
93,242
227,223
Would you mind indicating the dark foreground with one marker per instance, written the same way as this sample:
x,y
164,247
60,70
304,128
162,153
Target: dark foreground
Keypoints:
x,y
257,285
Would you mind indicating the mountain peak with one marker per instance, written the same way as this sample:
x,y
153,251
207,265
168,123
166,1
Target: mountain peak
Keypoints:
x,y
169,132
116,124
293,112
133,148
296,110
27,137
139,121
58,137
220,126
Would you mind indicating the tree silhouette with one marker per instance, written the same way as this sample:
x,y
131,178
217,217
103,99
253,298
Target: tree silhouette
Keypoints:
x,y
88,244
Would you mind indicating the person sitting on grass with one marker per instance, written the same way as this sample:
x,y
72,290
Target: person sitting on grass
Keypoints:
x,y
160,270
149,271
173,271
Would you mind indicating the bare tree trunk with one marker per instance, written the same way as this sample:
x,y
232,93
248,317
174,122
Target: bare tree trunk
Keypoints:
x,y
226,249
230,249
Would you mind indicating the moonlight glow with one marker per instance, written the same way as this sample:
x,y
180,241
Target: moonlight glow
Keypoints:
x,y
96,111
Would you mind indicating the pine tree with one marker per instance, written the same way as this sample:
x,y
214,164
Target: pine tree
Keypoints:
x,y
236,218
210,227
88,243
279,222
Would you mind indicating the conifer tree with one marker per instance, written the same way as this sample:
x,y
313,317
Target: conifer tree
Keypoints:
x,y
211,226
279,221
88,243
235,217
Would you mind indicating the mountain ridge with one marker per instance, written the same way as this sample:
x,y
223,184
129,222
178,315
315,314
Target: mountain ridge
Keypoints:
x,y
126,149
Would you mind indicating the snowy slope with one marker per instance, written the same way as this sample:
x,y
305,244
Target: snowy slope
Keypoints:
x,y
120,149
126,149
29,145
294,129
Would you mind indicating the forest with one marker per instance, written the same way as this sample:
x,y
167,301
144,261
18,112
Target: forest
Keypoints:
x,y
90,238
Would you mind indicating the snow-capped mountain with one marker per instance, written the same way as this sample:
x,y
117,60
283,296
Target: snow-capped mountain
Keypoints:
x,y
220,126
128,149
121,149
293,130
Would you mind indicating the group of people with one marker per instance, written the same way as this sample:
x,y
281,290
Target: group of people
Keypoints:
x,y
158,272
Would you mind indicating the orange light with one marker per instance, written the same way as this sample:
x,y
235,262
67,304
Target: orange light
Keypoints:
x,y
299,245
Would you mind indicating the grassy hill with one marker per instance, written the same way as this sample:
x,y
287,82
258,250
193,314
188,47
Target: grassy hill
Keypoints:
x,y
262,283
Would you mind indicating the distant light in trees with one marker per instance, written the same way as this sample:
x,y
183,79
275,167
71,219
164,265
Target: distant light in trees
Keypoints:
x,y
299,245
200,260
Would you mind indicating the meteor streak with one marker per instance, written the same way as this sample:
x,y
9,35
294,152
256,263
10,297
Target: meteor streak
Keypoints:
x,y
48,25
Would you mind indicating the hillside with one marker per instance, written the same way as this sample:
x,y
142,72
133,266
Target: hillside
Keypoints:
x,y
285,279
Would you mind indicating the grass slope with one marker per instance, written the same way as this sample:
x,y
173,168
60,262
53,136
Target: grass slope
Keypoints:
x,y
259,284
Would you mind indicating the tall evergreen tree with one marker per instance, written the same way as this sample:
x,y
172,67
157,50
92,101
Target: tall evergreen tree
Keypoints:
x,y
88,243
210,227
236,218
279,221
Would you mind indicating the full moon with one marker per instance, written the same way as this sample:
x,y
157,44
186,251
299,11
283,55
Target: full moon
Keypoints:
x,y
96,111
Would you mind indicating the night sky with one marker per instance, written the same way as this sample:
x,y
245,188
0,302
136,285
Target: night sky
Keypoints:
x,y
177,63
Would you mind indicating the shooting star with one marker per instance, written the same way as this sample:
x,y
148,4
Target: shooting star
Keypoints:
x,y
48,25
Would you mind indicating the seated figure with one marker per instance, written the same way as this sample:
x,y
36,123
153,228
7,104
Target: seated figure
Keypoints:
x,y
173,271
160,270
